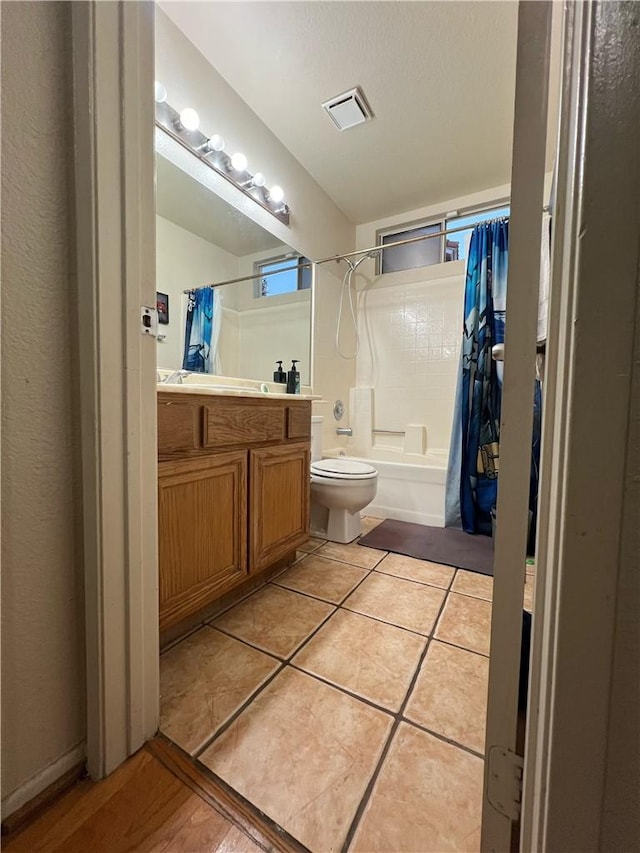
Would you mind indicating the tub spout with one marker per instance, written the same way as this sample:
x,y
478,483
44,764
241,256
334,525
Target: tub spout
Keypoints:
x,y
344,431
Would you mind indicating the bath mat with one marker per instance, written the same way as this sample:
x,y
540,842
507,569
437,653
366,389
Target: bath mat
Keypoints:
x,y
437,544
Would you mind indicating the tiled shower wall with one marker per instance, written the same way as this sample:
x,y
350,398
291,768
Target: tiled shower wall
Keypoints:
x,y
411,326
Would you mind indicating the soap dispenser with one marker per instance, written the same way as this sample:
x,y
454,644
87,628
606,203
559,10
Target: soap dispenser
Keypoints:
x,y
279,375
293,379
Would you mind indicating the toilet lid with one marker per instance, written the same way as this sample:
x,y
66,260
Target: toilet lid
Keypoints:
x,y
340,469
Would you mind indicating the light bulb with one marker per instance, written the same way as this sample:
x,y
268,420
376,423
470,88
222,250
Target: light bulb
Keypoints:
x,y
276,193
160,92
189,119
216,143
239,162
258,180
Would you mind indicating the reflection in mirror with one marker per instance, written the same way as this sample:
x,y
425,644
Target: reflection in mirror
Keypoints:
x,y
239,330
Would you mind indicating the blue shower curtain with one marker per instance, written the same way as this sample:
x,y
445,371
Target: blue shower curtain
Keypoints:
x,y
198,329
474,459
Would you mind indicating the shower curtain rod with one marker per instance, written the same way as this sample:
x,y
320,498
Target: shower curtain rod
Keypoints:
x,y
372,251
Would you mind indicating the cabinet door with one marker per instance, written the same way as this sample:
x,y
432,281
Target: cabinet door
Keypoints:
x,y
279,502
202,517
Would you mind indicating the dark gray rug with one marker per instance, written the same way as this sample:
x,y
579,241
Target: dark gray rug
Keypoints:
x,y
437,544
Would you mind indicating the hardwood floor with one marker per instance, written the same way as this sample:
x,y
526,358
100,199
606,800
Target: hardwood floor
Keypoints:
x,y
142,806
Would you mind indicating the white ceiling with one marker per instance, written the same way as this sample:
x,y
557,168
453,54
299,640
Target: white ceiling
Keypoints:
x,y
439,77
189,204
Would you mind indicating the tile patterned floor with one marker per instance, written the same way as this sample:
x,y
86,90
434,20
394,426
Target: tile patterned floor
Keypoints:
x,y
346,699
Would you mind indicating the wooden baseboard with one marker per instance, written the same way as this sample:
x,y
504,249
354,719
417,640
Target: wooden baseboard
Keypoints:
x,y
227,802
36,806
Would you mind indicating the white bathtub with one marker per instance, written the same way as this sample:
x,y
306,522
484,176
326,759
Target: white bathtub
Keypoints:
x,y
407,490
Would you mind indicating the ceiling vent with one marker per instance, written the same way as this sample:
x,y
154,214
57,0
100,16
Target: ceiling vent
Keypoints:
x,y
349,109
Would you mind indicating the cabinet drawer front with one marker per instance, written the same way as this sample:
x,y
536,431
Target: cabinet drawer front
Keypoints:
x,y
242,424
299,421
202,517
179,426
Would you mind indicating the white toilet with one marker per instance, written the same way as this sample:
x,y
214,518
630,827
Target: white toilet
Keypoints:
x,y
340,488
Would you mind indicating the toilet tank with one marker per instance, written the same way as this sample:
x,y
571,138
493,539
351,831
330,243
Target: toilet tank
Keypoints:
x,y
316,437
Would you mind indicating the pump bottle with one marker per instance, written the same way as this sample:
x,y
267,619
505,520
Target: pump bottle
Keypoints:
x,y
293,379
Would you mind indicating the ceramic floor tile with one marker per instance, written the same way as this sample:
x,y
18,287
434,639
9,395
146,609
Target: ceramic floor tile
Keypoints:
x,y
450,695
466,622
427,799
474,584
203,681
397,601
303,753
312,544
369,522
322,578
416,570
374,660
354,554
274,619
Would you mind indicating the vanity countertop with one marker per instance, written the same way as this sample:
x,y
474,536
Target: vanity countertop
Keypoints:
x,y
221,391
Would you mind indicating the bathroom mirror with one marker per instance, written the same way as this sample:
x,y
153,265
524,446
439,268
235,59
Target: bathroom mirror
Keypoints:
x,y
200,239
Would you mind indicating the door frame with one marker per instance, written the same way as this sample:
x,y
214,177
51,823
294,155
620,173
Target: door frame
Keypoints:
x,y
594,303
502,764
113,60
113,75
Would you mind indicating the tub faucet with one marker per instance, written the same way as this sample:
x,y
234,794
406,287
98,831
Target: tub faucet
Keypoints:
x,y
344,431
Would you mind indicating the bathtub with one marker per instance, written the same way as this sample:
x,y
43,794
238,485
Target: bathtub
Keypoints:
x,y
410,488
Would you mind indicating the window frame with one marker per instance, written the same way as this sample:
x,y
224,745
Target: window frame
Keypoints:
x,y
294,258
477,211
392,230
443,220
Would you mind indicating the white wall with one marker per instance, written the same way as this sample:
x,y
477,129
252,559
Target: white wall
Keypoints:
x,y
273,328
254,332
184,260
43,684
229,343
275,332
333,377
318,228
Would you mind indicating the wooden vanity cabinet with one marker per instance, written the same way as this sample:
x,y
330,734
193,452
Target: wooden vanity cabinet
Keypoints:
x,y
233,493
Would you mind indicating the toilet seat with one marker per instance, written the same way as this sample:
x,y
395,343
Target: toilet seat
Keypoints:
x,y
342,469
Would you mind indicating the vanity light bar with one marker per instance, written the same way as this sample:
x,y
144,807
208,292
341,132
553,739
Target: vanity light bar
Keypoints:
x,y
189,135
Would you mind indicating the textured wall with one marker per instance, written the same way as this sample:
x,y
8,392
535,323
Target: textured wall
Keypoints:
x,y
43,715
317,227
271,333
621,813
333,377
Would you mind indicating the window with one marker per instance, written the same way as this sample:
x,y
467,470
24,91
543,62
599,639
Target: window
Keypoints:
x,y
292,278
424,253
457,246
